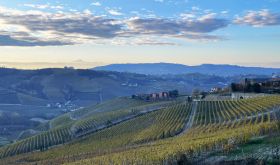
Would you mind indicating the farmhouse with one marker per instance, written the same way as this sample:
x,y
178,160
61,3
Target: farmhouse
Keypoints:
x,y
156,96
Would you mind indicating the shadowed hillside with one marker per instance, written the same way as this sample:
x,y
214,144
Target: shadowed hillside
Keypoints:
x,y
84,87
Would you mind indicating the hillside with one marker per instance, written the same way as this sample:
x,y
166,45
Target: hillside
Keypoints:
x,y
181,132
169,68
85,121
85,87
29,98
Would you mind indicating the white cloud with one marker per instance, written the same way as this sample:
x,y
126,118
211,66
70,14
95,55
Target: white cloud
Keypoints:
x,y
95,4
87,11
114,12
38,28
224,12
44,6
259,18
208,16
195,8
187,15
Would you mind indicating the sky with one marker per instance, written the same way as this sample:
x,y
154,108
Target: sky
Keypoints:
x,y
88,33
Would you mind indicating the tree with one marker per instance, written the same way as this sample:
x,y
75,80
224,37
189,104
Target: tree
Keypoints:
x,y
174,93
233,87
248,88
256,88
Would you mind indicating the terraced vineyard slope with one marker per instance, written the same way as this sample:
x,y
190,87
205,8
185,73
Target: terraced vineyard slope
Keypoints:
x,y
66,128
149,127
183,132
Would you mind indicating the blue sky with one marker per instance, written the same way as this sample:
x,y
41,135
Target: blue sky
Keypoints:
x,y
85,33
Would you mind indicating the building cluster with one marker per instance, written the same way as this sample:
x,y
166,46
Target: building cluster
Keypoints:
x,y
64,107
215,90
157,96
259,85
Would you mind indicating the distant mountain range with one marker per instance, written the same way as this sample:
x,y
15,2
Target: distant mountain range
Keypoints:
x,y
174,69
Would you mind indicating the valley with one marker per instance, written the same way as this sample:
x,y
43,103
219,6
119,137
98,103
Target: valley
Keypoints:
x,y
31,98
150,82
79,119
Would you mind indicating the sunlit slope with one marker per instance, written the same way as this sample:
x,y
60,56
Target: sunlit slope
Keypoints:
x,y
236,112
149,127
240,120
165,135
108,106
73,125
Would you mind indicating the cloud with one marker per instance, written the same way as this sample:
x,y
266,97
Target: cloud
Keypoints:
x,y
186,29
95,4
79,24
38,28
175,27
114,12
44,6
259,18
63,24
6,40
200,37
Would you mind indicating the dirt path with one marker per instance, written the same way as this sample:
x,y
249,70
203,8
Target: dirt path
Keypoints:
x,y
189,124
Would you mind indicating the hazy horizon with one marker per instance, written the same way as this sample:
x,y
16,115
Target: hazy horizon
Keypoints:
x,y
79,64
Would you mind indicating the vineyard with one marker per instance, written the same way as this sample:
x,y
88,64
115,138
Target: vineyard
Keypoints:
x,y
238,112
64,129
130,132
180,132
246,118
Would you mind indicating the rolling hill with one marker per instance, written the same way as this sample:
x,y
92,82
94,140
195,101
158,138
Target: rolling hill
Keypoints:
x,y
29,98
85,121
85,87
180,133
174,69
107,129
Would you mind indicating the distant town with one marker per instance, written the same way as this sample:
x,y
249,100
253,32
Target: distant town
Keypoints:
x,y
234,91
